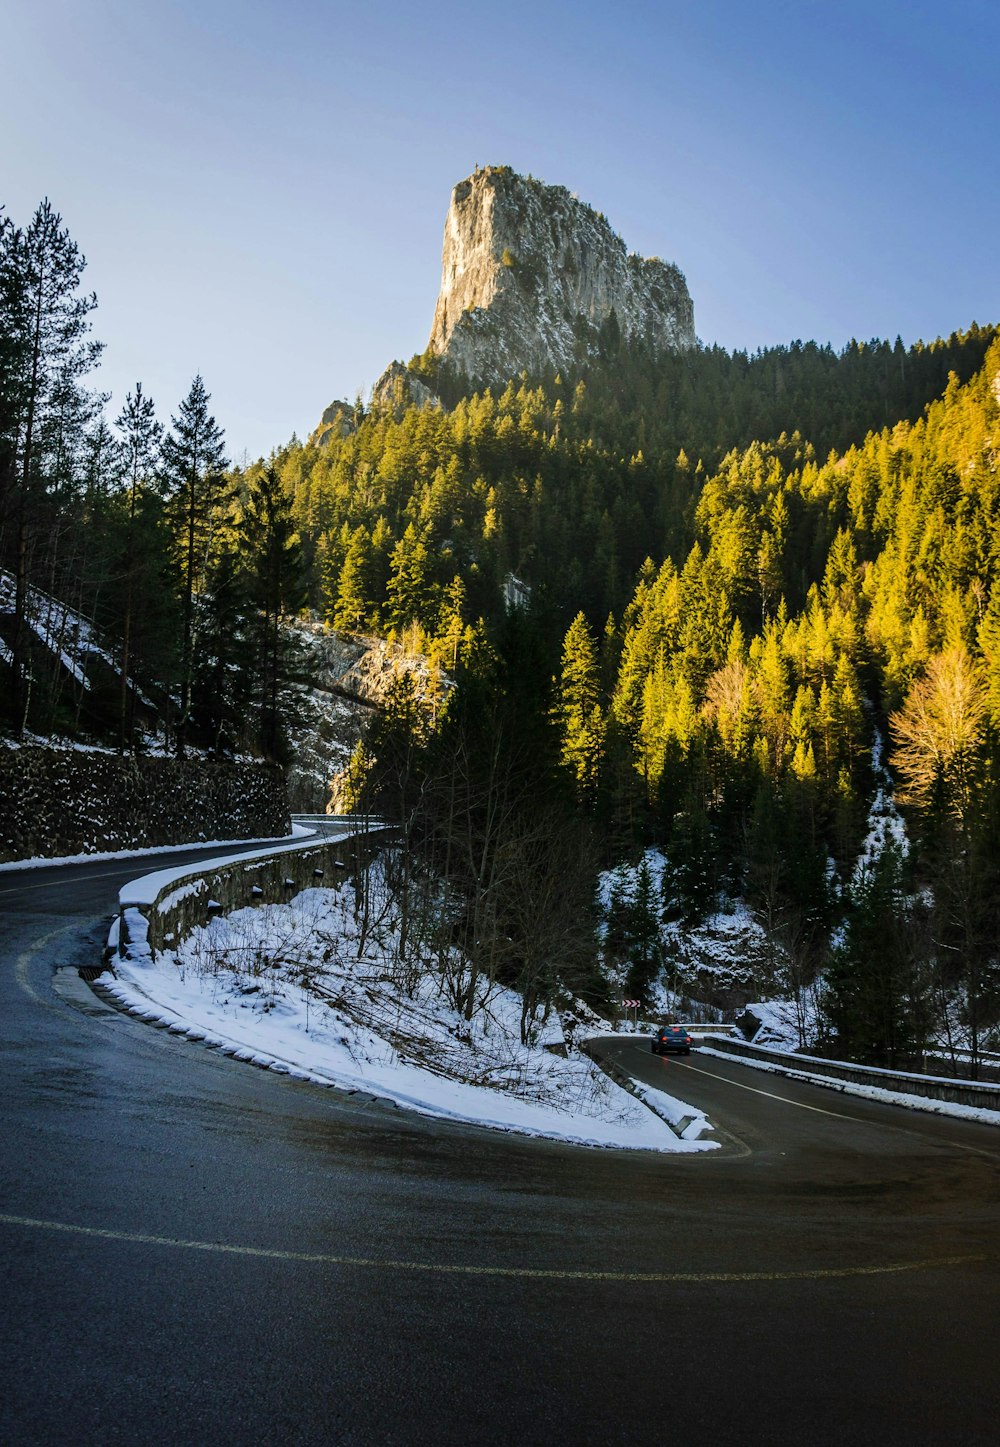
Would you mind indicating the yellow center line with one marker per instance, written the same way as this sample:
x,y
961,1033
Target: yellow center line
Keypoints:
x,y
322,1258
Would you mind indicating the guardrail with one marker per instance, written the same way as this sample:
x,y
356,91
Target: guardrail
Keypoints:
x,y
932,1087
697,1027
322,822
157,910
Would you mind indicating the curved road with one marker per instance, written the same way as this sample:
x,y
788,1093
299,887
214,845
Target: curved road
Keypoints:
x,y
195,1250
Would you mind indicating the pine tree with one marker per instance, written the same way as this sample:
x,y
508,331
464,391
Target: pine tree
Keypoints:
x,y
272,556
578,708
689,885
645,955
222,678
452,628
140,435
875,997
193,466
354,587
409,590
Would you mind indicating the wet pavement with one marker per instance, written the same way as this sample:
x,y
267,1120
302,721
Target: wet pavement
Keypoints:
x,y
194,1248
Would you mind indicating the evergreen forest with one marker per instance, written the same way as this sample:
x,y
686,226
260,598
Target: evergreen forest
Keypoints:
x,y
732,608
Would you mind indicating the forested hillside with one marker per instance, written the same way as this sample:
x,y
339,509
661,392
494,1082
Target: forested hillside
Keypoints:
x,y
689,601
572,483
734,710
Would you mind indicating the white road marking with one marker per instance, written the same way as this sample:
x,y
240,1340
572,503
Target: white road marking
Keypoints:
x,y
854,1119
786,1100
81,879
446,1269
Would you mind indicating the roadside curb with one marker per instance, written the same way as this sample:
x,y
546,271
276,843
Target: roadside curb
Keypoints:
x,y
621,1078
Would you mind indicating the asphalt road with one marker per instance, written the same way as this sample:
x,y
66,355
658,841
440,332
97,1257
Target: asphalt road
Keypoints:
x,y
195,1251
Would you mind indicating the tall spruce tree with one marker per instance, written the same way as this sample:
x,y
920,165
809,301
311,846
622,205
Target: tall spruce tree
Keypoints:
x,y
140,440
222,678
876,996
193,463
578,708
272,555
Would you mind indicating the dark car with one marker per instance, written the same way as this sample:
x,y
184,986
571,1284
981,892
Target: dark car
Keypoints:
x,y
672,1037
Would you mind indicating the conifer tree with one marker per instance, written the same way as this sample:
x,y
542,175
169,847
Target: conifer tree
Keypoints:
x,y
876,998
409,590
140,435
354,587
578,708
223,663
272,556
689,881
644,949
193,463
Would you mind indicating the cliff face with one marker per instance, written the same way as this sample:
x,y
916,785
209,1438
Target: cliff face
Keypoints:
x,y
531,276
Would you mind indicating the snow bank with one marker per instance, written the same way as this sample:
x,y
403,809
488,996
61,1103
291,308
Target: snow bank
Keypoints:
x,y
298,988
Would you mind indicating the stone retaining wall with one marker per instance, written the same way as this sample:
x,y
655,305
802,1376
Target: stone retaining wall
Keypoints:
x,y
194,897
57,802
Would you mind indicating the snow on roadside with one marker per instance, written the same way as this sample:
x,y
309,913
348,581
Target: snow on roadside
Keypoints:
x,y
778,1021
293,987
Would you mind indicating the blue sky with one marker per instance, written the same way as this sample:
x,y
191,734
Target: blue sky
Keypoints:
x,y
260,189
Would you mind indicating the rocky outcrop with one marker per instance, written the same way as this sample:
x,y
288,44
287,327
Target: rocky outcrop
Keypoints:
x,y
533,279
348,679
338,420
398,388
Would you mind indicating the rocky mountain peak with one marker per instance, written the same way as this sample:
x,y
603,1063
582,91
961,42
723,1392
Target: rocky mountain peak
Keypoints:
x,y
532,279
531,275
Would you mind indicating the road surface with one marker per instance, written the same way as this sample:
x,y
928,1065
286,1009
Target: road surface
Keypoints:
x,y
194,1250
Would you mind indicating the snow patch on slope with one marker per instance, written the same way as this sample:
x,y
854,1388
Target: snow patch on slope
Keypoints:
x,y
298,988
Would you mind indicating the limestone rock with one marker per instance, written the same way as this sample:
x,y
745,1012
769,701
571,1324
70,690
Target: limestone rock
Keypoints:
x,y
338,420
348,677
398,388
533,279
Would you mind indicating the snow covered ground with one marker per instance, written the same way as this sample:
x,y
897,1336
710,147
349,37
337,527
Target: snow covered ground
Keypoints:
x,y
778,1022
885,823
296,988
